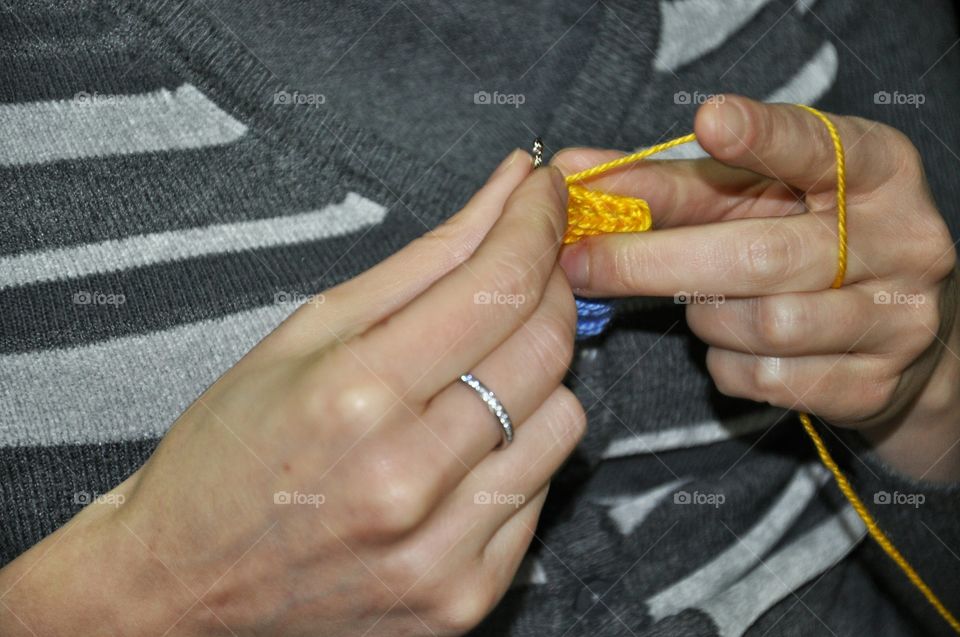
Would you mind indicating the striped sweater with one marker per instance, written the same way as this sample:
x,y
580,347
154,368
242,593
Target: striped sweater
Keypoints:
x,y
175,177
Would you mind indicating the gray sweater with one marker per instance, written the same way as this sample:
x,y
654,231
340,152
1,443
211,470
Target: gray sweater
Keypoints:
x,y
174,177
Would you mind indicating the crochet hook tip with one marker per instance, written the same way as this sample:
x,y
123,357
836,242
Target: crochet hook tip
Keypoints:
x,y
537,152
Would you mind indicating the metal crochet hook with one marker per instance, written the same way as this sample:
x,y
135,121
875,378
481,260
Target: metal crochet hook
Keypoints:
x,y
593,315
537,152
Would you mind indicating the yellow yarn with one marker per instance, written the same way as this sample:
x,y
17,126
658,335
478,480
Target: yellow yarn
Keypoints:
x,y
591,212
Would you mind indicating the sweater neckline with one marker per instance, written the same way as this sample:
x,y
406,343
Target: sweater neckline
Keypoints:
x,y
206,53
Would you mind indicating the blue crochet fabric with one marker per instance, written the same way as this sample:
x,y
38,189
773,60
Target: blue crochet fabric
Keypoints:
x,y
593,316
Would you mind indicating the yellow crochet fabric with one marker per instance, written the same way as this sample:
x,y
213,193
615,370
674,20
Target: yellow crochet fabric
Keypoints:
x,y
591,212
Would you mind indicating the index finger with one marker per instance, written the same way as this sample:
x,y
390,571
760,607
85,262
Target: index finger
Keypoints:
x,y
466,314
684,192
738,258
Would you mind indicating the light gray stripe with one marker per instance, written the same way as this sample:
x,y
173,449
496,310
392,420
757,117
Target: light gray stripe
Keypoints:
x,y
683,437
813,553
812,81
629,513
92,125
124,389
692,28
746,552
354,213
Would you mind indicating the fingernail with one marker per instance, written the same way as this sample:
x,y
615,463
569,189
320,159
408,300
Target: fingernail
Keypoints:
x,y
559,183
508,161
575,262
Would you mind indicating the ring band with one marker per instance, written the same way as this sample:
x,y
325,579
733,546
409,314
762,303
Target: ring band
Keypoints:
x,y
494,405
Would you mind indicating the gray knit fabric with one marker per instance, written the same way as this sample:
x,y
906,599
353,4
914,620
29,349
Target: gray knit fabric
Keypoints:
x,y
176,176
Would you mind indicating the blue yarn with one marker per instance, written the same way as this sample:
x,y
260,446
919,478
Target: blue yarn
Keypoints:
x,y
593,316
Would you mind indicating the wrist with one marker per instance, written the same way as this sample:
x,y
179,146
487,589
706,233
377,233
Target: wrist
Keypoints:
x,y
92,577
922,440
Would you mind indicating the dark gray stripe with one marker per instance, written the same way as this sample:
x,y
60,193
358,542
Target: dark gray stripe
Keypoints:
x,y
160,296
746,551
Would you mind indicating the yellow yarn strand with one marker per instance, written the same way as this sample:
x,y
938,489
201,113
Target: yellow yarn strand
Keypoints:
x,y
841,196
591,212
873,528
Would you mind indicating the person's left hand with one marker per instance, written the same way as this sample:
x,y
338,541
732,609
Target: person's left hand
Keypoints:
x,y
749,235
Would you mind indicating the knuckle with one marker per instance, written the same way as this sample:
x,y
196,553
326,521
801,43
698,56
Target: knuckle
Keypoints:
x,y
357,406
462,610
394,499
908,163
549,221
770,259
723,378
940,252
448,243
756,133
702,320
927,318
402,567
552,344
566,306
672,196
540,213
624,264
777,322
724,385
813,131
878,391
722,381
767,378
570,423
516,273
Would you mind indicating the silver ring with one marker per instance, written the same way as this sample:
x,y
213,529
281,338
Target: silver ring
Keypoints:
x,y
494,405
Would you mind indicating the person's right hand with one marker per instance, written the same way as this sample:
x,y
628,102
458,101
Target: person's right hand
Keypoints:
x,y
402,519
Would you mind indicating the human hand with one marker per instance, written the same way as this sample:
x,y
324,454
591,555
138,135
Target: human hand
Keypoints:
x,y
340,479
750,235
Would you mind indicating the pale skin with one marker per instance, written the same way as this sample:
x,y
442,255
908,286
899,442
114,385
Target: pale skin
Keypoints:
x,y
756,223
355,401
